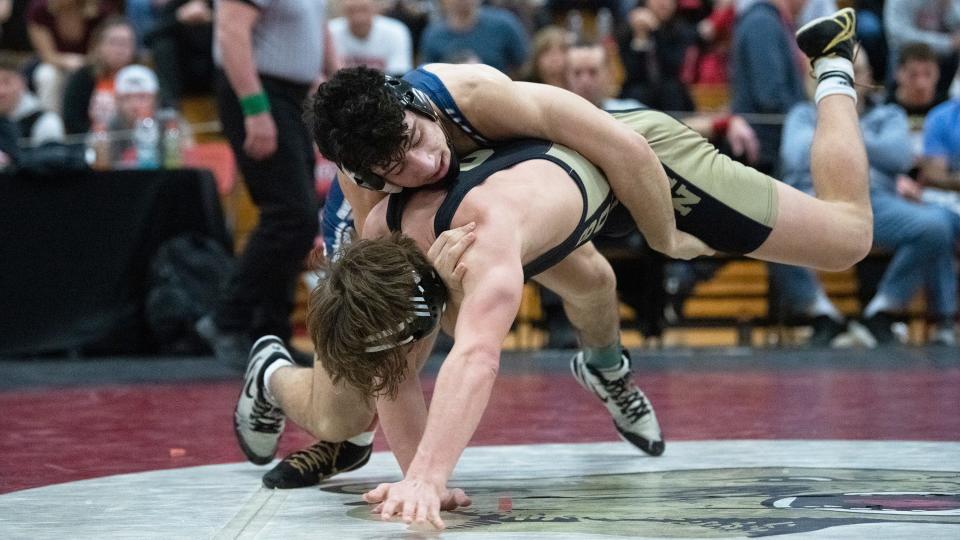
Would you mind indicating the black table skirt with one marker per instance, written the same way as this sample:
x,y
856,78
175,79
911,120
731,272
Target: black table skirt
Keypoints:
x,y
75,250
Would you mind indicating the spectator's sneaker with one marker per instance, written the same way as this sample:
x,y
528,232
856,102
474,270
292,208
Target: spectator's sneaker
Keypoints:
x,y
632,413
825,330
944,335
257,422
880,327
230,348
314,464
831,35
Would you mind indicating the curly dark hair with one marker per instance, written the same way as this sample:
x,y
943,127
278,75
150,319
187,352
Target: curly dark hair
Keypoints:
x,y
367,291
356,122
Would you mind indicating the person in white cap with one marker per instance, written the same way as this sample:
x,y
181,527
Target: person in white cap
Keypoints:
x,y
136,88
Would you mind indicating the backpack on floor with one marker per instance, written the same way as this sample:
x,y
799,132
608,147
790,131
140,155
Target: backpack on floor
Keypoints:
x,y
187,274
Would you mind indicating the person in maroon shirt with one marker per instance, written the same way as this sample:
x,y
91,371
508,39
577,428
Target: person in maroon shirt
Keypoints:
x,y
60,32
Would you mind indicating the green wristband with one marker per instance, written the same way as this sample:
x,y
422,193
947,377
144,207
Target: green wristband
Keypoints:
x,y
255,104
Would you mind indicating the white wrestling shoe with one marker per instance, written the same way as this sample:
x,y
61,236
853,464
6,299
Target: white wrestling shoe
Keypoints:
x,y
632,412
257,422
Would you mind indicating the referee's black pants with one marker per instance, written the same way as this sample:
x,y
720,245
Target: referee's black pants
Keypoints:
x,y
259,298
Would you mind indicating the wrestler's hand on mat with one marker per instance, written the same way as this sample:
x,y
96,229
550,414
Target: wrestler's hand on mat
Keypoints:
x,y
686,246
413,500
445,254
452,499
261,141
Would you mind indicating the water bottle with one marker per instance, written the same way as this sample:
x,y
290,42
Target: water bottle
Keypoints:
x,y
98,149
146,141
172,139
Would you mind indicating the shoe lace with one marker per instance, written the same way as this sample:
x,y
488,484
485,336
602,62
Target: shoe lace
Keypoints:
x,y
322,455
266,418
631,402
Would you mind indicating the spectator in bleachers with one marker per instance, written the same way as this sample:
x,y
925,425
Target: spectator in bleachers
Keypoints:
x,y
708,63
492,35
916,76
17,104
589,77
941,146
872,37
182,46
9,151
61,31
6,9
142,15
363,37
138,111
415,14
88,97
653,53
547,64
935,23
921,236
13,31
767,70
940,162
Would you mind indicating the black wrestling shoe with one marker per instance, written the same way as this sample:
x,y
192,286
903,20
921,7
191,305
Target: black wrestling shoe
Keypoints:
x,y
880,327
828,36
316,463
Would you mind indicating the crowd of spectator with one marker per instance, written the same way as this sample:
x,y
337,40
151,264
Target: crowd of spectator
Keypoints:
x,y
62,62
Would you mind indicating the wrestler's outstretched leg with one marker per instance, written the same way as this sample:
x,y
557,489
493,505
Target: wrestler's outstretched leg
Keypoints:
x,y
835,230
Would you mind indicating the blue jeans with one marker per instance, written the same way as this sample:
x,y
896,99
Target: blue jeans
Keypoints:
x,y
922,237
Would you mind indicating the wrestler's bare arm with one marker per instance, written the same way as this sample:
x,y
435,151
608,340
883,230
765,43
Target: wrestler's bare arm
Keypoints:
x,y
492,291
361,200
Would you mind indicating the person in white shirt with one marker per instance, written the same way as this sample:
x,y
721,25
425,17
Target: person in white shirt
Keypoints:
x,y
364,37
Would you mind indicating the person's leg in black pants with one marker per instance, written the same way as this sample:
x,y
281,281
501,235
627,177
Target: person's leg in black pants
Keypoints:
x,y
259,297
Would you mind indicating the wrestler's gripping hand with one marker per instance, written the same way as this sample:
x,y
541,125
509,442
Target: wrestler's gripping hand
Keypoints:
x,y
415,501
445,254
685,246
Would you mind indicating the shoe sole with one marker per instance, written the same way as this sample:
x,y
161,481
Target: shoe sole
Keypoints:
x,y
252,456
846,17
654,448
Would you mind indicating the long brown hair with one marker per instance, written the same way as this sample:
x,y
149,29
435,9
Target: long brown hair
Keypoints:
x,y
366,292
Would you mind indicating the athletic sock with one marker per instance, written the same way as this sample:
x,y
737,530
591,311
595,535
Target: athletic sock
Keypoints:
x,y
363,439
271,369
603,358
834,76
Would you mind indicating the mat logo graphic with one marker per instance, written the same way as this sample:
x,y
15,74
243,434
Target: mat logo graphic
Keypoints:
x,y
709,503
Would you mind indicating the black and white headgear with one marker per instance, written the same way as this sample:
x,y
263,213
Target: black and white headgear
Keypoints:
x,y
427,302
410,98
